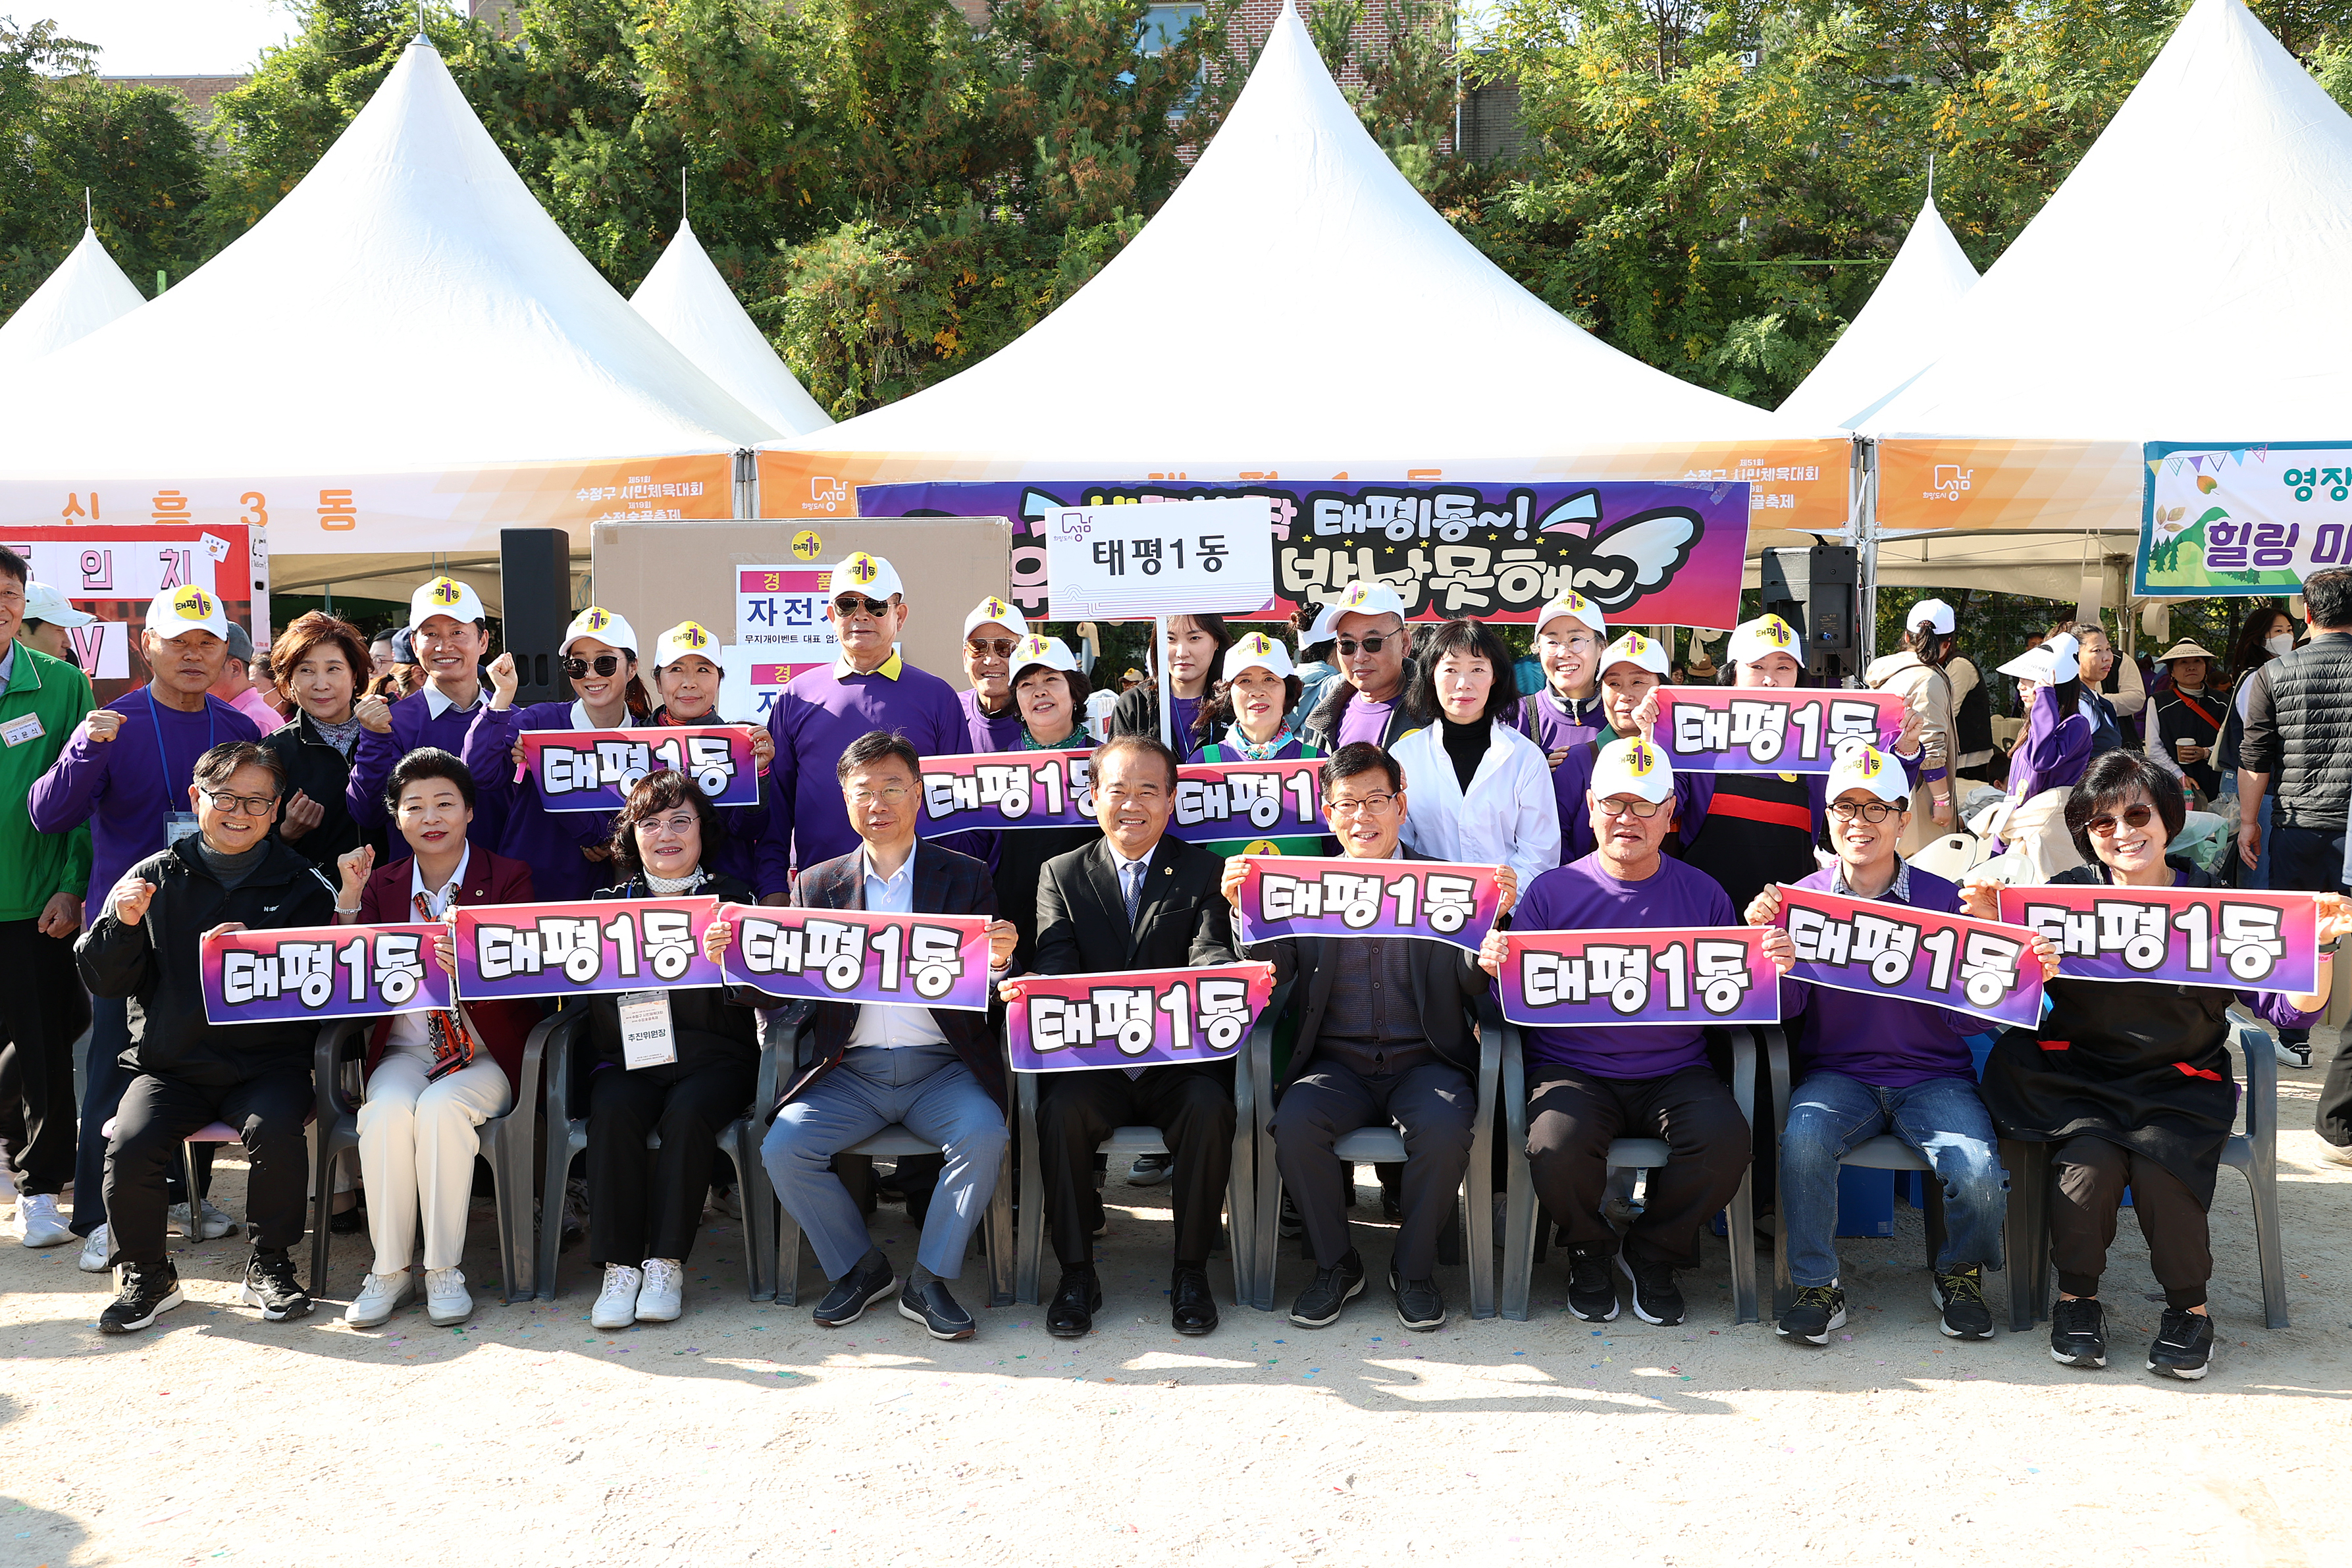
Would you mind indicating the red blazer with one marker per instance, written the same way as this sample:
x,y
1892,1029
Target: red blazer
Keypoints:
x,y
489,879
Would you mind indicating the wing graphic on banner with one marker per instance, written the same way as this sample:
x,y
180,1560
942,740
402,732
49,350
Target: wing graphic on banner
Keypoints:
x,y
1635,557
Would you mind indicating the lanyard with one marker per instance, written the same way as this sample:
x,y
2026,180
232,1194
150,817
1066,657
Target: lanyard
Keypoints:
x,y
164,756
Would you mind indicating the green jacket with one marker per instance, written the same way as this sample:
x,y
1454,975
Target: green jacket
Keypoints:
x,y
45,699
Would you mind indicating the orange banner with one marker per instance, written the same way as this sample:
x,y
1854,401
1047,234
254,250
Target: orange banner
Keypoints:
x,y
1980,482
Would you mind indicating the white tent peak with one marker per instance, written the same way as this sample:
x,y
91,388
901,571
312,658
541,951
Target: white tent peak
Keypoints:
x,y
85,292
1296,300
690,304
1895,333
2186,282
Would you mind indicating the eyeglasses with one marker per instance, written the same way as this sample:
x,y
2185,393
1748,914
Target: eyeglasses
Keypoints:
x,y
889,794
2134,815
240,804
678,822
1868,810
1365,804
1373,644
1645,809
603,664
983,648
1573,643
850,603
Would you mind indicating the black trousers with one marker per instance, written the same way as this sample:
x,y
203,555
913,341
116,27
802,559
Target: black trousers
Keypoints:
x,y
42,1010
648,1203
2311,860
1572,1118
1434,1105
1194,1108
157,1114
2092,1174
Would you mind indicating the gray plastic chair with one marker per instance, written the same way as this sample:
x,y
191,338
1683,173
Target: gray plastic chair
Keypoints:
x,y
1521,1241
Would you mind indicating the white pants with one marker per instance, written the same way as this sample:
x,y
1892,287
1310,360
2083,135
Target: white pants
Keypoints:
x,y
417,1149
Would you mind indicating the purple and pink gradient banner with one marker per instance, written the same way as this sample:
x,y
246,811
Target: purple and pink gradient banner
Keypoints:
x,y
321,971
1755,729
1698,975
507,950
1913,955
857,955
1146,1017
992,791
594,770
1219,803
2186,936
1300,895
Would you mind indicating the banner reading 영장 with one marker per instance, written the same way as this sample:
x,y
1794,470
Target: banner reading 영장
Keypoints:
x,y
1754,729
1146,1017
2229,521
582,949
1309,896
320,971
2188,936
1891,950
1705,974
860,956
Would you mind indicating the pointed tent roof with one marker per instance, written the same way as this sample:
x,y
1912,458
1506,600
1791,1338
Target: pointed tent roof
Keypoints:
x,y
2188,280
85,292
690,304
1295,300
1896,331
408,308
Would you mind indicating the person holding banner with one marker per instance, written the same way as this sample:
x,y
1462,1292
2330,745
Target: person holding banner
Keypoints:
x,y
1049,695
448,633
1916,672
1483,789
1570,632
992,632
2129,1083
1367,702
1588,1087
1631,668
686,678
1194,646
187,1071
318,660
1255,717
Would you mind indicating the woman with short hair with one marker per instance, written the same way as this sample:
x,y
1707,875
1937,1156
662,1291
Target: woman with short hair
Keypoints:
x,y
687,674
321,664
1481,791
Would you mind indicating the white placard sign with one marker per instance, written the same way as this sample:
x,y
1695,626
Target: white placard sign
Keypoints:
x,y
1129,561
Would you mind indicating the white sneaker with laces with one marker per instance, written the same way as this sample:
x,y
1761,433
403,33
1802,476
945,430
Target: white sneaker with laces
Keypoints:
x,y
663,1295
380,1297
446,1301
95,1248
616,1308
216,1222
43,1227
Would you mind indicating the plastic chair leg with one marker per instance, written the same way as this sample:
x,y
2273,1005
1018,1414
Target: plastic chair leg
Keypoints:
x,y
759,1201
788,1258
322,1189
1029,1224
195,1204
1479,1184
2025,1231
2263,1182
1744,1303
563,1138
996,1231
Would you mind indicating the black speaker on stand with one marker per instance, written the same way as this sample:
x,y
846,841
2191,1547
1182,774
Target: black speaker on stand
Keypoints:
x,y
1814,591
535,589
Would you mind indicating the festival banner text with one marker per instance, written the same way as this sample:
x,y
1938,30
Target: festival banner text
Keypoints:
x,y
1743,729
2188,936
582,949
594,770
321,971
1144,1018
1700,975
857,955
1304,896
1915,955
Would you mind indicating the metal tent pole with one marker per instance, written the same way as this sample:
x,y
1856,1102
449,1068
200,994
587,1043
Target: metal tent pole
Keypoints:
x,y
1866,540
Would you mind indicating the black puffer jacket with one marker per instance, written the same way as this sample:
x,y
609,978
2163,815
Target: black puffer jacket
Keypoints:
x,y
314,767
2299,731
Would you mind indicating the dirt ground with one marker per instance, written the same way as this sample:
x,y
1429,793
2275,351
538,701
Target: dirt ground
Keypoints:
x,y
745,1433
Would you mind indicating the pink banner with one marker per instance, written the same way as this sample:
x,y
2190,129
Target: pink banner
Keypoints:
x,y
1706,974
1296,895
1755,729
321,971
1913,955
856,956
594,770
992,791
1148,1018
2188,936
1217,803
582,949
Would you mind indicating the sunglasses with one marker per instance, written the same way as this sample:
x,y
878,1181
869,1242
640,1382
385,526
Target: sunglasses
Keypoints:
x,y
1348,646
2134,815
850,603
603,664
983,648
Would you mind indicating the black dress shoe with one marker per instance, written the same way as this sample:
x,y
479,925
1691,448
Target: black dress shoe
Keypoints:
x,y
1076,1299
931,1305
853,1293
1418,1305
1191,1308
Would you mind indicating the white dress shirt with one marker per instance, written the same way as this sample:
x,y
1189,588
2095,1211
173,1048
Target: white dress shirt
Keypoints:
x,y
883,1024
437,702
408,1029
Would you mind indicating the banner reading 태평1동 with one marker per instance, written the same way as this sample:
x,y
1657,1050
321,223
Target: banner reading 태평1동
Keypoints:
x,y
1309,896
1744,730
582,949
860,956
1707,974
2188,936
320,971
1146,1017
1916,955
594,770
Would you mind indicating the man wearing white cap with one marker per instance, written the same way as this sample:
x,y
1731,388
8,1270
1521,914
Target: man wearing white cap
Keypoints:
x,y
50,617
817,717
1367,702
2189,718
1570,632
447,629
1587,1087
1916,673
992,632
1631,668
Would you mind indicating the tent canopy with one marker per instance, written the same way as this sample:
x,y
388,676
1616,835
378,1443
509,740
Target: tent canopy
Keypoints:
x,y
690,304
1886,344
85,292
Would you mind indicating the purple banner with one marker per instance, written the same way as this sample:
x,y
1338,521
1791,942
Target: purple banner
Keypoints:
x,y
1218,802
321,971
594,770
1751,729
856,956
1915,955
992,791
2188,936
1302,896
1145,1018
582,949
1701,975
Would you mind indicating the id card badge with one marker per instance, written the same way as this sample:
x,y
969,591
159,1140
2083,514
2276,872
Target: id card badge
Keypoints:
x,y
178,826
645,1038
17,732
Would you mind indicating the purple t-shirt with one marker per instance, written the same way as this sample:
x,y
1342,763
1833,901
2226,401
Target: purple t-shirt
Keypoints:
x,y
989,734
1365,721
1881,1041
1581,896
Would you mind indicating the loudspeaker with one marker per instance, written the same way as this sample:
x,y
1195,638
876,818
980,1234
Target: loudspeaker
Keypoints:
x,y
1813,590
535,586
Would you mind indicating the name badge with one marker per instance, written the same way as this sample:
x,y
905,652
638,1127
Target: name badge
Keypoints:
x,y
178,826
645,1038
17,732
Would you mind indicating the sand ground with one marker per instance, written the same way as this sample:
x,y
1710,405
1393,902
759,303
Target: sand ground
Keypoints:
x,y
745,1433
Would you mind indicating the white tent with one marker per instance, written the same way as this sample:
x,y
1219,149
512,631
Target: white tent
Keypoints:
x,y
690,304
1885,345
85,292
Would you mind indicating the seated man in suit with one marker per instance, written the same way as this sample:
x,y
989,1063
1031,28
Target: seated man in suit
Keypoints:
x,y
1135,898
1386,1033
935,1071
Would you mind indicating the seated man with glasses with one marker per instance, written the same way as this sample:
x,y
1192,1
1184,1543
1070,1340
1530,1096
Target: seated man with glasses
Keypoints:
x,y
1386,1033
1570,632
230,875
1588,1087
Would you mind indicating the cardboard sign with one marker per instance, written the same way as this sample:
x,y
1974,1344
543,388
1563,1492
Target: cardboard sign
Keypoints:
x,y
856,956
1125,563
2184,936
321,971
594,770
1752,730
1915,955
583,949
1217,803
1296,895
1685,975
992,791
1146,1017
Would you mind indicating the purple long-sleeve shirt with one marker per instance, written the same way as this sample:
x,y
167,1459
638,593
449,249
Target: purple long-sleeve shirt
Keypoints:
x,y
1556,724
1882,1041
1572,780
815,719
987,734
415,725
1582,896
2052,752
549,842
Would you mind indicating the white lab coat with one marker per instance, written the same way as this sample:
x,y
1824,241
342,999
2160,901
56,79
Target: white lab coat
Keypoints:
x,y
1509,816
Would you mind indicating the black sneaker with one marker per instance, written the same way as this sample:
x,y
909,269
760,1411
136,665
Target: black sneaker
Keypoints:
x,y
1817,1310
1591,1293
1959,1297
2184,1345
1418,1305
1655,1298
1319,1305
1150,1170
148,1293
2078,1332
932,1305
271,1285
868,1283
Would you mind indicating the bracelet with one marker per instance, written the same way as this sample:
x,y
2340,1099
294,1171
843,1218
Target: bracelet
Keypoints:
x,y
352,911
2328,949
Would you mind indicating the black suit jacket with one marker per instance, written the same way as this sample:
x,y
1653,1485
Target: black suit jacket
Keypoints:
x,y
946,883
1182,921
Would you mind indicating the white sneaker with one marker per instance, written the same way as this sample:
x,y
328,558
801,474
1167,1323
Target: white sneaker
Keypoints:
x,y
617,1307
42,1225
95,1249
379,1296
663,1297
217,1223
446,1297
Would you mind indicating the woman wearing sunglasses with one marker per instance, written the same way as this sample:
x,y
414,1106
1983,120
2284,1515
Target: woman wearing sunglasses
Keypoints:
x,y
1194,646
686,678
1255,717
1481,791
2128,1082
599,653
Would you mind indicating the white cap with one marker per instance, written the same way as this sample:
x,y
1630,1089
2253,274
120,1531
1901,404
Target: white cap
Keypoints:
x,y
443,596
1860,765
992,612
1634,649
687,637
1765,633
1258,651
1045,650
188,609
47,603
1634,767
1575,607
2050,664
868,574
1932,614
1361,599
601,624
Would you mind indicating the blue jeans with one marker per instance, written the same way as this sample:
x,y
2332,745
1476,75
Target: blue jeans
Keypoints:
x,y
1944,1123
